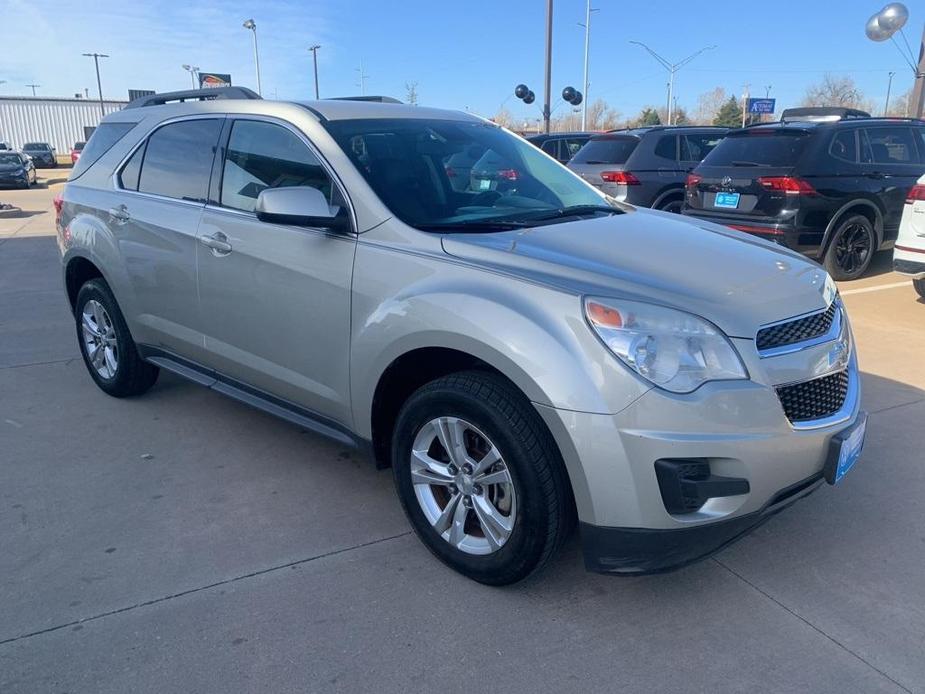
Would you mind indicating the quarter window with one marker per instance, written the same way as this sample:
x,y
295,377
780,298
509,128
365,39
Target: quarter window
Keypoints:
x,y
551,147
264,155
696,147
178,159
845,146
128,177
667,147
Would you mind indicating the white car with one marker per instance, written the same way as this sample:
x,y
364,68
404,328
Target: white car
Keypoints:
x,y
909,251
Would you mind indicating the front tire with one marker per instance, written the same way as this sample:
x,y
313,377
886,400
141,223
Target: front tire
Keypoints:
x,y
106,345
919,287
480,478
852,248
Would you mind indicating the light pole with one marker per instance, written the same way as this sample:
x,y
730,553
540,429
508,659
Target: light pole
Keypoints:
x,y
885,25
192,70
548,80
672,68
33,87
314,50
587,26
362,76
889,88
99,85
250,24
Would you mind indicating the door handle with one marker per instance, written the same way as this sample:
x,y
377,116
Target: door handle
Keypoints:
x,y
217,242
120,214
876,175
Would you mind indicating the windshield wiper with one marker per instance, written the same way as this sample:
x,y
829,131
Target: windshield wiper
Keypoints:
x,y
746,163
476,225
573,211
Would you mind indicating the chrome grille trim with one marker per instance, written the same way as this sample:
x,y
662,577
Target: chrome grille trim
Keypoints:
x,y
834,331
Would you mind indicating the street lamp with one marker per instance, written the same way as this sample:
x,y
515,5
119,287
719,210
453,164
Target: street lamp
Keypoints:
x,y
250,24
672,68
193,71
587,26
314,50
884,25
99,85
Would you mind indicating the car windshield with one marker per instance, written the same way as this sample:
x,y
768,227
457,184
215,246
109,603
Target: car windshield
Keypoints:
x,y
606,150
79,146
8,158
35,145
413,165
758,148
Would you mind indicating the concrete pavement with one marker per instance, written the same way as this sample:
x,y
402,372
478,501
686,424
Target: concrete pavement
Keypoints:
x,y
182,542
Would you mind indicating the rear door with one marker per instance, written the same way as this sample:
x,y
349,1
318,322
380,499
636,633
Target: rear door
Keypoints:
x,y
276,300
165,185
890,160
740,177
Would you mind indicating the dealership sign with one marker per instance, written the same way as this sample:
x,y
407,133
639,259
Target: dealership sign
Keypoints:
x,y
214,79
761,105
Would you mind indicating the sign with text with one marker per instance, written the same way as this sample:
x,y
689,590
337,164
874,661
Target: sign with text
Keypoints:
x,y
761,105
214,79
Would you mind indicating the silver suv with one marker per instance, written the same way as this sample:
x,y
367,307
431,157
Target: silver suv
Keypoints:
x,y
522,359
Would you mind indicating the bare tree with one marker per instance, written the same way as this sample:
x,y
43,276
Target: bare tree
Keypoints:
x,y
503,118
708,105
835,91
900,105
601,116
411,93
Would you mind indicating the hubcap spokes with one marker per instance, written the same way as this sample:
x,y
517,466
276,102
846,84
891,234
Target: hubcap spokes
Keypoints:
x,y
852,248
99,338
463,485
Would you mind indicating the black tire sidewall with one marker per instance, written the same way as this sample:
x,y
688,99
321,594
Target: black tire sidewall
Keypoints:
x,y
667,205
831,262
919,287
520,554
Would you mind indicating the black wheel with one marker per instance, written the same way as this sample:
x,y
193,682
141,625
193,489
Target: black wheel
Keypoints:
x,y
919,287
675,205
106,344
480,478
851,249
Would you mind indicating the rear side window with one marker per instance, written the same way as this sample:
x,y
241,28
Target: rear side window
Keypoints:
x,y
606,150
572,146
759,148
178,159
667,147
264,155
845,146
888,145
551,147
695,147
102,140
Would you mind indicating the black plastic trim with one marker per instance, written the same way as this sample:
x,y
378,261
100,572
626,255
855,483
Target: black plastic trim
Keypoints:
x,y
908,267
638,551
254,397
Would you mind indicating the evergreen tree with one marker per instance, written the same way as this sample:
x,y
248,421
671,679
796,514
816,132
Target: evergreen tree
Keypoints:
x,y
729,114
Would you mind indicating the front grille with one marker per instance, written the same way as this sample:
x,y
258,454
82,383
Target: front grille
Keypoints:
x,y
798,330
809,400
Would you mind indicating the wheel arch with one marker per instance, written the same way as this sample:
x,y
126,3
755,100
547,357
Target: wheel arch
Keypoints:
x,y
861,206
78,270
668,194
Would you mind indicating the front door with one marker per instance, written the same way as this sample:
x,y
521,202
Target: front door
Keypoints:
x,y
275,299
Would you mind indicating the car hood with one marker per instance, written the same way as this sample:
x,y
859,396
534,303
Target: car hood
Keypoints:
x,y
732,279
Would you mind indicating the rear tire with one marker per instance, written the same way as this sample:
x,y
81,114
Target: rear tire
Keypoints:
x,y
919,287
852,248
533,502
106,345
674,206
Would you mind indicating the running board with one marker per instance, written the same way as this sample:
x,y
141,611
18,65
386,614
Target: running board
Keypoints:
x,y
254,397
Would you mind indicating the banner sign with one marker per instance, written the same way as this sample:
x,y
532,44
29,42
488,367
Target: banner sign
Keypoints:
x,y
214,79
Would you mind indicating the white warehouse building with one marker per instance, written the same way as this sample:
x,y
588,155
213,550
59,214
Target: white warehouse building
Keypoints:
x,y
58,121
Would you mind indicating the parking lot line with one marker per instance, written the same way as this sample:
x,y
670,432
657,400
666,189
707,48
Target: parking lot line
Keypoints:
x,y
877,288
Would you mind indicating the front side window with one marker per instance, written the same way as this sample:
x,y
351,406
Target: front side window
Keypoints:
x,y
264,155
178,159
403,160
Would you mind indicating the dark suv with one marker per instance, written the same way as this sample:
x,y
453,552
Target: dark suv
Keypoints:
x,y
832,190
560,146
645,166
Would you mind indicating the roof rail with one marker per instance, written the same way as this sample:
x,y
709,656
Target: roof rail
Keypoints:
x,y
208,94
379,99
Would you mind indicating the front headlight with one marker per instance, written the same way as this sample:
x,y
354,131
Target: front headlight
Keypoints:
x,y
674,350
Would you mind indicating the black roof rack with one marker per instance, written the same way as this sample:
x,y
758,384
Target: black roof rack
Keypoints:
x,y
378,99
209,94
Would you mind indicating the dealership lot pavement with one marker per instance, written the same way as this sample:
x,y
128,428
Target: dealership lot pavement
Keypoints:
x,y
182,542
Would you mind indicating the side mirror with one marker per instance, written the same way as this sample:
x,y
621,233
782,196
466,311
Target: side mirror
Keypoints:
x,y
300,206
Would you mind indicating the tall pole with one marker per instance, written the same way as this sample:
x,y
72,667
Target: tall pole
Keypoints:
x,y
584,102
548,93
670,92
745,104
672,68
33,87
314,50
918,92
99,85
889,88
252,25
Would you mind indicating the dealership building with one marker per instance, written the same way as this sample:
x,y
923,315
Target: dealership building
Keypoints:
x,y
58,121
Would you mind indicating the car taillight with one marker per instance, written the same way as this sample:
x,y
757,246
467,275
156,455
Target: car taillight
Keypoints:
x,y
787,184
450,172
59,205
916,194
693,180
624,177
508,174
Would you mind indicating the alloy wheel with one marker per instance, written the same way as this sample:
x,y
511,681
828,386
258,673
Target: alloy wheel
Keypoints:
x,y
99,338
852,248
463,485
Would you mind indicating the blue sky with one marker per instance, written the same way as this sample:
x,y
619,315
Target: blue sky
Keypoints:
x,y
462,54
